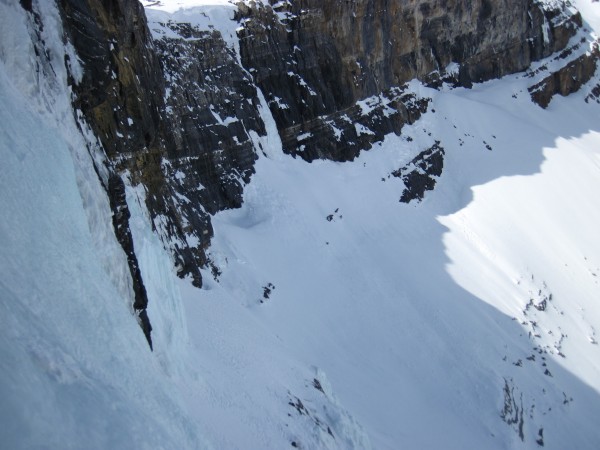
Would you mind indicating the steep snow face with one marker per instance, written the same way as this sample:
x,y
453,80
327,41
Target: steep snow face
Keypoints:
x,y
332,316
75,370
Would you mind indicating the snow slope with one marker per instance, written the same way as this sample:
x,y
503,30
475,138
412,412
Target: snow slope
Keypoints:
x,y
416,312
75,371
427,320
468,320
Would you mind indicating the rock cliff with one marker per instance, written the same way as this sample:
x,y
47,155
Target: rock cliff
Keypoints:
x,y
567,79
315,59
180,114
122,98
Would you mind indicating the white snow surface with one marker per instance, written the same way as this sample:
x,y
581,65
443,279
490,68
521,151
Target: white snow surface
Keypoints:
x,y
415,312
75,372
393,325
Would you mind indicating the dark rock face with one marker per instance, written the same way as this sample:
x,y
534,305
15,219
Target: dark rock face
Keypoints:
x,y
120,97
512,412
26,5
191,148
120,79
420,174
118,203
567,79
342,135
316,59
212,107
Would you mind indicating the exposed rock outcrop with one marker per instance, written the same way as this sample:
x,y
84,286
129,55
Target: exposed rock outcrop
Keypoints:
x,y
315,60
121,215
343,134
212,107
421,173
175,114
567,79
512,411
122,98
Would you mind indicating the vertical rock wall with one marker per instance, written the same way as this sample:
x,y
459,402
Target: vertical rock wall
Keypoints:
x,y
174,115
211,108
122,98
314,59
